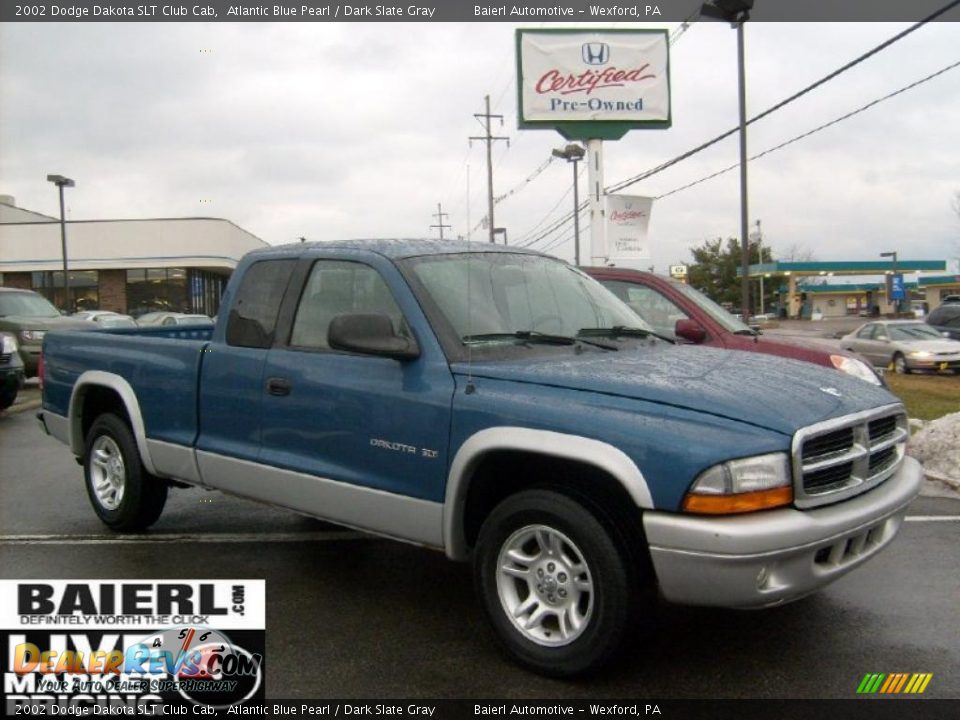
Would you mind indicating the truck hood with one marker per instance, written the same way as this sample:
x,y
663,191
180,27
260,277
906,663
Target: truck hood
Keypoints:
x,y
763,390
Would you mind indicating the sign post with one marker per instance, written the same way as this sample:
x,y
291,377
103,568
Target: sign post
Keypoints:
x,y
593,86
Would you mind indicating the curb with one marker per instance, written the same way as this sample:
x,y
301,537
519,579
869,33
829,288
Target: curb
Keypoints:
x,y
23,406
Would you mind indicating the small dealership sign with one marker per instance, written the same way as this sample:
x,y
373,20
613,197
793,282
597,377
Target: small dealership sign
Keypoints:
x,y
593,84
628,217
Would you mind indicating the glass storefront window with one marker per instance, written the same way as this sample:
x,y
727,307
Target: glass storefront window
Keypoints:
x,y
84,290
157,289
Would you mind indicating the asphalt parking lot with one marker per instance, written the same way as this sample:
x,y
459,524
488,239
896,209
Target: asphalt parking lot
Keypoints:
x,y
353,616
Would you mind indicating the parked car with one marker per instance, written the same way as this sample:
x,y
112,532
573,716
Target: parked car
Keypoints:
x,y
950,299
906,345
677,310
106,318
946,320
29,315
11,370
503,407
173,318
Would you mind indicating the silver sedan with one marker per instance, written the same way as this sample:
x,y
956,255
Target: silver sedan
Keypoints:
x,y
904,345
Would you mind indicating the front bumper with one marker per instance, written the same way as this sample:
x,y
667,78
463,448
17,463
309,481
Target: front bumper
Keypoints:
x,y
952,363
773,557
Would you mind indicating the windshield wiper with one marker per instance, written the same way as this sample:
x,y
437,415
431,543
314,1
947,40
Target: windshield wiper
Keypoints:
x,y
535,336
618,331
745,331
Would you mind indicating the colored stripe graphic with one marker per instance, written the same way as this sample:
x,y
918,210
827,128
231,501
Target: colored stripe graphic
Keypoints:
x,y
894,683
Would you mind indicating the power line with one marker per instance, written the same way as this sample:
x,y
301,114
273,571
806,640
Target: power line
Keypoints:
x,y
817,129
786,101
529,179
689,153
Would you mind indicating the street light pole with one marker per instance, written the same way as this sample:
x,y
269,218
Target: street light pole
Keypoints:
x,y
737,12
61,182
745,258
573,154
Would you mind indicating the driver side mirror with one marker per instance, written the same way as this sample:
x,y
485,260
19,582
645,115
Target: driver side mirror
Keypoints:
x,y
690,330
370,334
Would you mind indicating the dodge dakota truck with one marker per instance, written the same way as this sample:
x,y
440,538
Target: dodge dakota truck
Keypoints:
x,y
505,408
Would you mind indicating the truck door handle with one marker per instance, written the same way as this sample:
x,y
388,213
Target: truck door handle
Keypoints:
x,y
279,386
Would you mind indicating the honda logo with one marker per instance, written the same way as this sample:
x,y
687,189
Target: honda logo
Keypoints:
x,y
596,53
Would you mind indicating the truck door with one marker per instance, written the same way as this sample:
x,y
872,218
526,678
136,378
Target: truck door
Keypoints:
x,y
360,419
231,378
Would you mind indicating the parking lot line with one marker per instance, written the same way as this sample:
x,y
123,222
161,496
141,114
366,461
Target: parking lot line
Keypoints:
x,y
160,538
932,518
331,536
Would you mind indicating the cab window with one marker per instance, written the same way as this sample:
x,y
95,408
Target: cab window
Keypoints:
x,y
334,288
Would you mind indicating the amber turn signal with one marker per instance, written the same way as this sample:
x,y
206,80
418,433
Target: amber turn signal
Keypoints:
x,y
738,502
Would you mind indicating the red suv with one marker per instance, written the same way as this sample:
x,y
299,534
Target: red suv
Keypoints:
x,y
679,311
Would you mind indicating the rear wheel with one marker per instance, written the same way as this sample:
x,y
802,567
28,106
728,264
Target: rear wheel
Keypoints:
x,y
554,583
123,494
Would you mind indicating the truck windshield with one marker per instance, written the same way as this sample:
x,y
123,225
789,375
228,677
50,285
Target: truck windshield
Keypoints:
x,y
501,294
27,305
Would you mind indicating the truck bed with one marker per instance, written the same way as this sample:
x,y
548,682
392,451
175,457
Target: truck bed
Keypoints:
x,y
161,365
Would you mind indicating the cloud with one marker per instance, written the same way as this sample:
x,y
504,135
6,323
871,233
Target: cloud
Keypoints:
x,y
346,130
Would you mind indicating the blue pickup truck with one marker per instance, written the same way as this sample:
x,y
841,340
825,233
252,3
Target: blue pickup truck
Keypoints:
x,y
505,408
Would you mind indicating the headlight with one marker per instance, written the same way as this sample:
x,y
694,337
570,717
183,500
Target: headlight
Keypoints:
x,y
32,336
8,344
738,486
920,354
857,368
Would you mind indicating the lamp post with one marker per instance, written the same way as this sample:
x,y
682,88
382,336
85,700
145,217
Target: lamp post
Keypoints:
x,y
892,254
61,182
573,154
737,12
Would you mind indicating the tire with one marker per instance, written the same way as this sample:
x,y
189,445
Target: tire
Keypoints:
x,y
900,365
8,396
566,602
124,495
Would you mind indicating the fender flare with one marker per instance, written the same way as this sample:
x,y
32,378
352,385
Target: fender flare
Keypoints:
x,y
541,442
99,378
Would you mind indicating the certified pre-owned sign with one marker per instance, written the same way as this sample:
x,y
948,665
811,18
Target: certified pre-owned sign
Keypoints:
x,y
593,84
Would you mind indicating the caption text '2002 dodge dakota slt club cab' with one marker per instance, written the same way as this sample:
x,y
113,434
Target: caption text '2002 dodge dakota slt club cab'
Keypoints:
x,y
504,407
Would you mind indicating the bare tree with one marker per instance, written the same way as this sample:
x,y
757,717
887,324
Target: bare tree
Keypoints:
x,y
798,253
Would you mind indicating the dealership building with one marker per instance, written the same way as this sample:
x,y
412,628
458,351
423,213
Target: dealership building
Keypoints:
x,y
128,266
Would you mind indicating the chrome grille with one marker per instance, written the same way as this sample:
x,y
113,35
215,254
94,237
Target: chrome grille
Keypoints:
x,y
846,456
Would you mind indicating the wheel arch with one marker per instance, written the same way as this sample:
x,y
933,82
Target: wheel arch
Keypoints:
x,y
103,392
607,462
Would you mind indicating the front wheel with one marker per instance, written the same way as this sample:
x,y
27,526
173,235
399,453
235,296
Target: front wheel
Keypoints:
x,y
553,583
123,494
900,364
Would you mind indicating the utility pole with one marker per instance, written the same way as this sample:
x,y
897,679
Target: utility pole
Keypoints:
x,y
489,139
439,214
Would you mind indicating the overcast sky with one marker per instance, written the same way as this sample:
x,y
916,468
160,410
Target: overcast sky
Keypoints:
x,y
358,130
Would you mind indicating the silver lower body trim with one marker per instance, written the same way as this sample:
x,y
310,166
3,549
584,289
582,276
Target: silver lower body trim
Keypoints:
x,y
57,426
773,557
383,513
174,461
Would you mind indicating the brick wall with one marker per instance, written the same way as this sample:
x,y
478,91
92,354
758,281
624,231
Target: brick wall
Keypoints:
x,y
20,280
113,290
